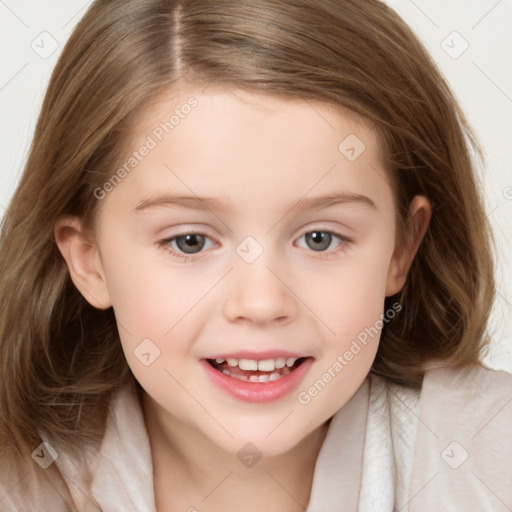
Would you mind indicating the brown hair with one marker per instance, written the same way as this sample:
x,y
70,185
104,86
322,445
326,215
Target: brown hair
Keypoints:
x,y
61,359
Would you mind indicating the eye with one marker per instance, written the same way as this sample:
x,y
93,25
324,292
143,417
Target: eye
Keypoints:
x,y
319,241
186,244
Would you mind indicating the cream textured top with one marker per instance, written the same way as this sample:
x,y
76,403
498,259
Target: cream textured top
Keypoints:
x,y
446,448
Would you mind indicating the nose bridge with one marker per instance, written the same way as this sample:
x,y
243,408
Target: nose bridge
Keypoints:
x,y
258,292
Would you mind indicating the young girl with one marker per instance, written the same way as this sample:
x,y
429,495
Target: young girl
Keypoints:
x,y
320,348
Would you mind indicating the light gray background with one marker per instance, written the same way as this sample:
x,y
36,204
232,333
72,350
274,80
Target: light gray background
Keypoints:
x,y
33,32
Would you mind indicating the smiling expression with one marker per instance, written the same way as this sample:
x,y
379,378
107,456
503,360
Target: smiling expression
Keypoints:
x,y
243,255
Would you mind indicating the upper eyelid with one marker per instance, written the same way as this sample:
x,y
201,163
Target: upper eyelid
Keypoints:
x,y
343,239
340,236
180,235
206,235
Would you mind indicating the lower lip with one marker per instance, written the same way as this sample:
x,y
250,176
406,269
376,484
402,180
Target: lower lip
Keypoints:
x,y
259,392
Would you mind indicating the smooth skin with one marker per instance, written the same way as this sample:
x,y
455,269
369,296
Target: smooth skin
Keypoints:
x,y
263,157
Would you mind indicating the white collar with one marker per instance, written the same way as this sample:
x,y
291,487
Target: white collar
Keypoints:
x,y
124,475
385,449
408,449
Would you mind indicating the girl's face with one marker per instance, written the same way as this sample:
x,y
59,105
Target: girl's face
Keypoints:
x,y
247,232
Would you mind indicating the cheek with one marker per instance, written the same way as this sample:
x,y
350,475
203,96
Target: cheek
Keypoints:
x,y
146,292
350,304
350,297
159,309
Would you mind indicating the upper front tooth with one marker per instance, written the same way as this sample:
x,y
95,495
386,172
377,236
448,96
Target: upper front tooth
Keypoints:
x,y
280,362
267,365
248,364
219,360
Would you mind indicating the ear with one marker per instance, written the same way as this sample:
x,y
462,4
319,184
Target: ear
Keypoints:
x,y
420,213
83,260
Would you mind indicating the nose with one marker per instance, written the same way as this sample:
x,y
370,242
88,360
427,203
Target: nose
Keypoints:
x,y
259,294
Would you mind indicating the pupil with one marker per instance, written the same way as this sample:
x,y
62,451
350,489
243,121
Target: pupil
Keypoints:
x,y
321,238
191,241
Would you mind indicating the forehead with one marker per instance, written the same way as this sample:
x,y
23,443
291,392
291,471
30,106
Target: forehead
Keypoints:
x,y
249,146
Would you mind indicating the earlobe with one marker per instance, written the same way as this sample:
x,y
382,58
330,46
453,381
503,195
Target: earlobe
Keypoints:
x,y
420,213
83,260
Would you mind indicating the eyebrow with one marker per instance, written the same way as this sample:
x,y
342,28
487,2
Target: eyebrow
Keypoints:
x,y
217,205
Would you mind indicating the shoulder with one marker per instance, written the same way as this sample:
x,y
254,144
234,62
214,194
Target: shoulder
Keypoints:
x,y
463,444
474,404
22,491
451,442
472,382
477,401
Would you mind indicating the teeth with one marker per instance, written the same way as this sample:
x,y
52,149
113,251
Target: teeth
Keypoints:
x,y
256,378
265,365
248,364
280,362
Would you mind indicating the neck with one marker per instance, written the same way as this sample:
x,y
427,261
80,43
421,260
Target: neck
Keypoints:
x,y
190,471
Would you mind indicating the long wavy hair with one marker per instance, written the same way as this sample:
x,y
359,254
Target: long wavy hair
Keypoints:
x,y
61,359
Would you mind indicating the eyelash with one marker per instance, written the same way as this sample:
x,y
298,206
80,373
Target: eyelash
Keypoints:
x,y
166,244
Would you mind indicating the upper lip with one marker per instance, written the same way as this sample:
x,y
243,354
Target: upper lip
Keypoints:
x,y
257,356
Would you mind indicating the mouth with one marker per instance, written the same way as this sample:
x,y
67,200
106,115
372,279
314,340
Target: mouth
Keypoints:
x,y
262,371
257,377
